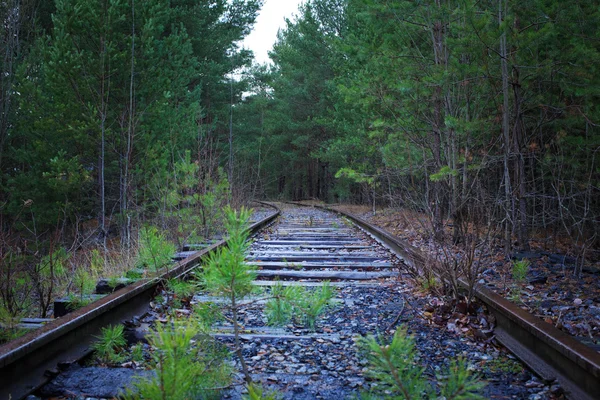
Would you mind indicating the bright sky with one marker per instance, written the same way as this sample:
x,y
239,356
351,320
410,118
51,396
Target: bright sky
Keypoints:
x,y
271,18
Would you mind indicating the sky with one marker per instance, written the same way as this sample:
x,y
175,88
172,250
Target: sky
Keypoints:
x,y
271,18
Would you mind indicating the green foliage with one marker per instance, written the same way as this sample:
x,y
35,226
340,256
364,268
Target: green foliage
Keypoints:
x,y
96,261
459,383
290,301
134,274
226,273
184,367
520,269
110,345
279,310
394,368
137,352
208,314
8,334
503,365
77,301
155,251
212,202
228,276
443,173
312,305
85,281
257,392
49,276
181,289
9,322
15,287
113,282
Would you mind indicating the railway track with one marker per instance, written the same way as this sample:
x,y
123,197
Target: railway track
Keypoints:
x,y
305,248
30,361
552,354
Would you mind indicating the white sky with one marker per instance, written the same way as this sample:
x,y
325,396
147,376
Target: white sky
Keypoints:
x,y
271,18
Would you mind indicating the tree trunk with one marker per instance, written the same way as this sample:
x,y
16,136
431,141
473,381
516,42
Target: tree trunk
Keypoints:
x,y
125,187
508,204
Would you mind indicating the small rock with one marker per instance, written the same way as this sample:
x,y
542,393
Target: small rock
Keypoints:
x,y
556,389
533,384
577,302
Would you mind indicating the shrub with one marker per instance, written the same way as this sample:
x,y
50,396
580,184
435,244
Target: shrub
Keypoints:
x,y
110,345
155,251
520,269
392,365
184,367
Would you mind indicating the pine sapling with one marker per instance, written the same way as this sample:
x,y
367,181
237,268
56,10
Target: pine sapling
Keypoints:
x,y
110,345
398,376
185,369
460,383
519,270
227,275
155,251
393,366
279,309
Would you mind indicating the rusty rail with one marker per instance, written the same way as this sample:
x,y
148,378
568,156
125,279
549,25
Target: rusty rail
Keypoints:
x,y
551,353
25,362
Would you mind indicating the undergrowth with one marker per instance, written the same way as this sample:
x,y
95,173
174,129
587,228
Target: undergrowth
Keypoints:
x,y
110,346
188,364
392,365
297,302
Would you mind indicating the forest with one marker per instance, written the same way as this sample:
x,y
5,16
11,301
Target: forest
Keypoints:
x,y
125,122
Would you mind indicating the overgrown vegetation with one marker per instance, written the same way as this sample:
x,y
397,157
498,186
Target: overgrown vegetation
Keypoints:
x,y
133,95
297,302
188,364
110,345
392,365
227,275
438,107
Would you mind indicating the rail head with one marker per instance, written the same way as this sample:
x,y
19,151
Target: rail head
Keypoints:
x,y
23,361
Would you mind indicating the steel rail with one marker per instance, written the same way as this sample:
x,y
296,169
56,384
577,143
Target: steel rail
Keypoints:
x,y
549,352
27,363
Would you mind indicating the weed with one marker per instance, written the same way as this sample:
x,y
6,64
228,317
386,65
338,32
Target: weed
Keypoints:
x,y
84,281
393,366
279,310
520,269
514,294
257,392
110,345
113,282
8,334
504,365
155,251
134,274
208,314
181,289
49,276
297,301
77,301
459,383
313,304
184,369
137,352
429,283
9,325
227,275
